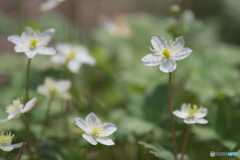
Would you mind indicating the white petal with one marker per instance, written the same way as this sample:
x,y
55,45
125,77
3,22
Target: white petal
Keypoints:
x,y
168,66
90,139
20,49
63,49
30,54
92,119
201,113
15,39
29,33
58,59
151,60
48,5
202,121
74,66
46,50
182,53
42,89
184,107
63,85
159,44
17,145
82,124
46,36
105,141
190,121
6,148
108,129
29,105
180,114
179,43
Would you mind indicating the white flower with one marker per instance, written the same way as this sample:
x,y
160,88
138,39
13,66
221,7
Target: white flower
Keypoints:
x,y
6,140
17,108
192,114
73,56
166,54
95,131
53,89
32,43
50,4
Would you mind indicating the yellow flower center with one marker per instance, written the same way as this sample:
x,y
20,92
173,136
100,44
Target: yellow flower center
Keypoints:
x,y
6,139
192,111
33,44
96,132
70,56
53,91
16,105
166,53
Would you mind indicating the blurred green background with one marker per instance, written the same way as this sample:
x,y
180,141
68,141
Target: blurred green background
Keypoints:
x,y
120,89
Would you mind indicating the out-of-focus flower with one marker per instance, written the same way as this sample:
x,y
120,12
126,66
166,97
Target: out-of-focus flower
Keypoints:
x,y
6,140
95,131
50,4
166,54
17,108
192,114
55,89
32,43
73,56
117,27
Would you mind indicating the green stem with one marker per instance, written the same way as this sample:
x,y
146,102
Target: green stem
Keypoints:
x,y
27,138
85,151
171,115
185,142
46,119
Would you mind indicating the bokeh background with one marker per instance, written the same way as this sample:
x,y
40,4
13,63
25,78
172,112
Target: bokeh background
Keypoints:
x,y
121,90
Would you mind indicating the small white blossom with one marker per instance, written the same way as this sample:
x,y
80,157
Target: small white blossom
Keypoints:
x,y
53,89
166,54
73,56
6,140
192,114
32,43
95,131
50,4
17,108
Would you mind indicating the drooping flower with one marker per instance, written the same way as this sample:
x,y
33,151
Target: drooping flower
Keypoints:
x,y
73,56
95,131
6,140
55,89
50,4
17,108
32,43
192,114
165,54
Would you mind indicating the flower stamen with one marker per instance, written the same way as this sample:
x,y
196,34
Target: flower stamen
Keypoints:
x,y
166,53
33,44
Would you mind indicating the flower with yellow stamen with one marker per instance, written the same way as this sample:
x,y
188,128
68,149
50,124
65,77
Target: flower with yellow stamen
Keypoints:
x,y
95,131
192,114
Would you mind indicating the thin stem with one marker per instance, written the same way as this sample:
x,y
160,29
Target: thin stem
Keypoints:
x,y
46,119
27,138
27,80
185,141
171,114
85,151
